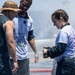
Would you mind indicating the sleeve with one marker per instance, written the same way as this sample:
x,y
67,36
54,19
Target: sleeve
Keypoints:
x,y
61,44
63,37
56,51
31,23
30,35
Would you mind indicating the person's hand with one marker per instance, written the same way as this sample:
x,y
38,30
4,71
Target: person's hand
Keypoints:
x,y
45,53
36,58
15,67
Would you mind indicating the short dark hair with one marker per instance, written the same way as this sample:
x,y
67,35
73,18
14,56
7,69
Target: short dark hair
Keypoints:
x,y
60,13
30,1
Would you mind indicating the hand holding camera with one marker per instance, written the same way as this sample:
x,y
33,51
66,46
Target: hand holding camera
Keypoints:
x,y
45,54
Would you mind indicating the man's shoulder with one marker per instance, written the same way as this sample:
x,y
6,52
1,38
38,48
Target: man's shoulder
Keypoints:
x,y
9,22
30,18
15,18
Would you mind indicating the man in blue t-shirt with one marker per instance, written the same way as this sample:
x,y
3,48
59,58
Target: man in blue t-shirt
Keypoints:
x,y
23,34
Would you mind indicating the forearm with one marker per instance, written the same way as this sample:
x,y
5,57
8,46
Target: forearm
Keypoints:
x,y
32,44
56,51
12,51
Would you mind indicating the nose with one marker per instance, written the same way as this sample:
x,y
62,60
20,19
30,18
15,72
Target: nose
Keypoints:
x,y
25,8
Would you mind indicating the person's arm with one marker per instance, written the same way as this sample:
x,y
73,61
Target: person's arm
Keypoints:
x,y
31,42
55,51
8,28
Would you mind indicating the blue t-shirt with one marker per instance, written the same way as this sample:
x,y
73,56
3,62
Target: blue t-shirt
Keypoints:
x,y
22,27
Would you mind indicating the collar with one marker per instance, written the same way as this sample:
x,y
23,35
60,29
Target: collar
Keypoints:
x,y
26,16
65,25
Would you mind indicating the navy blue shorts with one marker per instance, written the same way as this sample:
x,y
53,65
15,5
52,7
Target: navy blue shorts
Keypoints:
x,y
66,67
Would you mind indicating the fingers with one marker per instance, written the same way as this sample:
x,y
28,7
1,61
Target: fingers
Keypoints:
x,y
44,50
14,70
36,58
15,67
46,47
45,53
